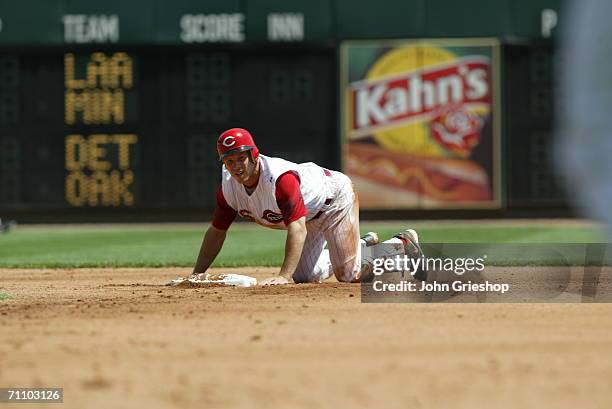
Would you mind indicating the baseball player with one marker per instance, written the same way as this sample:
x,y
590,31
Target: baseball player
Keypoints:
x,y
315,205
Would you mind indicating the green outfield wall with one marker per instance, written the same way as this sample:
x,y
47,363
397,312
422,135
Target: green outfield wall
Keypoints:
x,y
113,107
58,22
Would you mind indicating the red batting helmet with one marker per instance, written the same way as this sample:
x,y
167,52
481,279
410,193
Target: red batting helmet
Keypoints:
x,y
236,140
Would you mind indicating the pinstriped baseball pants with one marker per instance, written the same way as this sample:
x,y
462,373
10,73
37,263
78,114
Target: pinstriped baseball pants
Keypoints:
x,y
338,227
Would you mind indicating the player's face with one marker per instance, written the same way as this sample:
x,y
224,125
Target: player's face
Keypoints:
x,y
240,166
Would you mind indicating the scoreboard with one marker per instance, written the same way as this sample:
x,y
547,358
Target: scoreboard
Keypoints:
x,y
135,127
115,106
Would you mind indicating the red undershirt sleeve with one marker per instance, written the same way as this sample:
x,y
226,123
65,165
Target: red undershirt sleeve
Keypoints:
x,y
289,197
224,215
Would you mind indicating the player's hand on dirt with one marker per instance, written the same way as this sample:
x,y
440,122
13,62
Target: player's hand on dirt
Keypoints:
x,y
278,280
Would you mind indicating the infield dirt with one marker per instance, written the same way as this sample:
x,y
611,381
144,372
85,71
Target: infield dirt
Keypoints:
x,y
118,338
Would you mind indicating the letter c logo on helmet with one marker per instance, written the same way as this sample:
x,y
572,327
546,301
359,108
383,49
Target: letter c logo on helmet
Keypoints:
x,y
236,140
229,141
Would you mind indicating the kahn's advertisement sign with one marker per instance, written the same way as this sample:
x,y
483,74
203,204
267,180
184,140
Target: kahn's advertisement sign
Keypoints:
x,y
421,123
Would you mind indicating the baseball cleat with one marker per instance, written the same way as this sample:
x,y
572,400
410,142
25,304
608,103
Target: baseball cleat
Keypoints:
x,y
370,239
413,250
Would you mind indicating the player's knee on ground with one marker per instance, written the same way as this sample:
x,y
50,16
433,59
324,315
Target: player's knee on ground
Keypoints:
x,y
299,278
348,272
308,278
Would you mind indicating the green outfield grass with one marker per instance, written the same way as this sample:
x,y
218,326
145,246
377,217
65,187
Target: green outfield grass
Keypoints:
x,y
138,246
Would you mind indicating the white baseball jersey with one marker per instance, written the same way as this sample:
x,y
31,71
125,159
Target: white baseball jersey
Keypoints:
x,y
332,219
261,207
